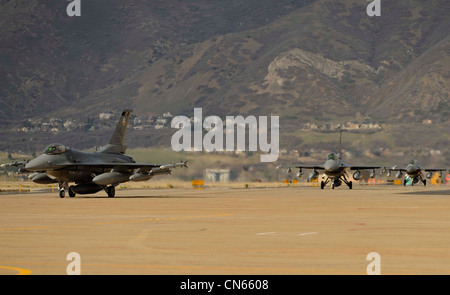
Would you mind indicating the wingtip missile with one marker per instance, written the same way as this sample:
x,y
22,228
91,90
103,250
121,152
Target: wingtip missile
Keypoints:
x,y
15,164
181,164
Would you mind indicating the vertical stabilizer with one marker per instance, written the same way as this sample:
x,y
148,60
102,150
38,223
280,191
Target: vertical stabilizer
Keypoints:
x,y
119,133
115,145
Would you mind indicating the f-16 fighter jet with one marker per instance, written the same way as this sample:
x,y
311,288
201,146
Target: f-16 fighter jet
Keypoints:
x,y
92,172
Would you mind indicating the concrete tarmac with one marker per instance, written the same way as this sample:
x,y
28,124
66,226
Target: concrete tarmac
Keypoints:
x,y
277,231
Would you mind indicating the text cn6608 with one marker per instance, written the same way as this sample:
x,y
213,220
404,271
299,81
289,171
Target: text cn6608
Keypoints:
x,y
246,284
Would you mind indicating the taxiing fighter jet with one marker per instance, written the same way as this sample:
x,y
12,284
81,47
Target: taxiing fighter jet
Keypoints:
x,y
93,171
334,169
415,172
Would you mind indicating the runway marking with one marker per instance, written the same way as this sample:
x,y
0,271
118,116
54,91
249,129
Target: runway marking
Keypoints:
x,y
20,270
111,222
272,233
307,234
264,234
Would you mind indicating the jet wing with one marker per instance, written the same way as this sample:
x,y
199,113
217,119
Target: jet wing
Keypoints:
x,y
306,166
127,166
309,166
396,169
425,169
320,167
352,167
433,170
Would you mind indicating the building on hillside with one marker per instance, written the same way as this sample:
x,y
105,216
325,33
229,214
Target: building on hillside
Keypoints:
x,y
217,175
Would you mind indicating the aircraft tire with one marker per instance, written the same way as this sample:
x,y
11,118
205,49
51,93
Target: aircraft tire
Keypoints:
x,y
424,182
322,185
62,194
350,185
72,194
111,191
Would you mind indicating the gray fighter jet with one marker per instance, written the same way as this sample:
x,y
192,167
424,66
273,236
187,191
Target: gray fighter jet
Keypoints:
x,y
414,172
93,171
334,169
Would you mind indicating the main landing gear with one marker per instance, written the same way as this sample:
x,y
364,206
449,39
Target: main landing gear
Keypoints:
x,y
63,187
72,193
415,180
336,182
111,191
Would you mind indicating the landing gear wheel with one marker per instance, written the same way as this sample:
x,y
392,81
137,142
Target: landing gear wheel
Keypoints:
x,y
322,184
350,185
332,185
62,193
111,191
404,182
71,192
425,182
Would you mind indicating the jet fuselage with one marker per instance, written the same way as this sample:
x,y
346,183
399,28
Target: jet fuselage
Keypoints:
x,y
56,165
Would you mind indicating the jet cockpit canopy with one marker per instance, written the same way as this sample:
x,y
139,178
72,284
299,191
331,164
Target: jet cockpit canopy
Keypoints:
x,y
55,149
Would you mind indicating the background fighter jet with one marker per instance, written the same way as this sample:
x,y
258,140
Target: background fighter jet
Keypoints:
x,y
94,171
334,169
414,172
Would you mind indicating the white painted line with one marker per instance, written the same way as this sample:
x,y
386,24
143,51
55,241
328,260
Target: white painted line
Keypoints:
x,y
269,233
307,234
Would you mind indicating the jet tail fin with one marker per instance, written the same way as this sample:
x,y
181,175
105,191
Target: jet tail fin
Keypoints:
x,y
115,145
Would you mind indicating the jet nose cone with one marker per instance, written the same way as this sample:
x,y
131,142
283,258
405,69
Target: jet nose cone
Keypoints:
x,y
31,165
410,168
35,164
331,165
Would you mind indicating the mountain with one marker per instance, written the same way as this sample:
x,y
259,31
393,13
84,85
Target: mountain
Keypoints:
x,y
51,62
319,62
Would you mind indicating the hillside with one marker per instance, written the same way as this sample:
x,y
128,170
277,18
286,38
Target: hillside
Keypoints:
x,y
52,62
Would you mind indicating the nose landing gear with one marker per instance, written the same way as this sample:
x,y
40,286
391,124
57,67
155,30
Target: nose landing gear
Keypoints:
x,y
62,189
